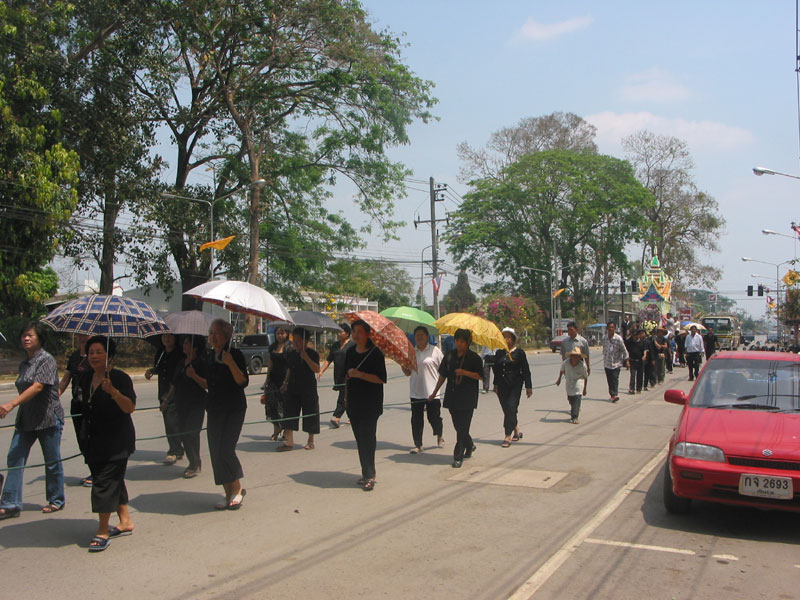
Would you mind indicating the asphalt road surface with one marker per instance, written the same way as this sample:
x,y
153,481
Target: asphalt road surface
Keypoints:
x,y
570,511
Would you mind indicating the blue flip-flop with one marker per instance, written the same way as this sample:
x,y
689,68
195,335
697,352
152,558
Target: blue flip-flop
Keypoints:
x,y
115,532
101,544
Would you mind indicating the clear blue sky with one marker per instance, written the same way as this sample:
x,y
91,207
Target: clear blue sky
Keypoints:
x,y
719,75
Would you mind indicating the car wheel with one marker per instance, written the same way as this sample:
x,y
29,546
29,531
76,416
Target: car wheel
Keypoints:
x,y
674,504
255,365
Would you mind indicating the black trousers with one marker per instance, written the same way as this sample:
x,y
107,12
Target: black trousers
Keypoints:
x,y
637,375
650,374
191,418
223,431
487,374
172,426
612,377
273,407
365,430
693,360
340,405
419,406
108,485
308,404
462,419
668,364
509,401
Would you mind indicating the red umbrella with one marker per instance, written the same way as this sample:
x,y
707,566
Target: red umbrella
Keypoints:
x,y
388,337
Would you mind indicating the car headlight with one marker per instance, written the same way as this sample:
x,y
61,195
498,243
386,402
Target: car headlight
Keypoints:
x,y
698,452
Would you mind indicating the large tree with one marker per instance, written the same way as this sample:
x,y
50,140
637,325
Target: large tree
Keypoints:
x,y
574,210
386,283
556,131
685,222
459,297
37,173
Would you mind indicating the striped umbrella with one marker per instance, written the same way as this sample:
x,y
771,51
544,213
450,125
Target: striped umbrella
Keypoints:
x,y
112,316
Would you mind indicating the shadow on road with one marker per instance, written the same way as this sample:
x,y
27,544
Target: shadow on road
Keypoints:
x,y
180,503
151,472
326,479
433,458
148,456
50,533
721,520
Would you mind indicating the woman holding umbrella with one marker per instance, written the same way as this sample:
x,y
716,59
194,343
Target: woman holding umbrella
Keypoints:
x,y
272,399
511,371
107,438
300,391
462,369
366,376
227,405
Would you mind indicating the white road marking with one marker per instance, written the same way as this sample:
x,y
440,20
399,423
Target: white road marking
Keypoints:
x,y
725,556
538,579
641,546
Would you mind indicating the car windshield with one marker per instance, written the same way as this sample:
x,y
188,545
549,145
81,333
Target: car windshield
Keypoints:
x,y
719,325
254,340
749,384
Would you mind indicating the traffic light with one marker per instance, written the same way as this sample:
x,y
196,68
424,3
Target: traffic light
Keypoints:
x,y
761,290
622,286
749,290
633,285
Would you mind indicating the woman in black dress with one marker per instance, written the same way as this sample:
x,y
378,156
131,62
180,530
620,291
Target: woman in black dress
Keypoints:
x,y
511,370
227,405
462,369
188,392
107,438
272,399
299,390
366,376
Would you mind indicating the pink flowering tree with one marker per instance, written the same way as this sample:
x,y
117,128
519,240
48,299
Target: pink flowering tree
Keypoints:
x,y
518,312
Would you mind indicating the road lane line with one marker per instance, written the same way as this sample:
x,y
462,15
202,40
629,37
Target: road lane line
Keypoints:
x,y
538,579
643,547
725,556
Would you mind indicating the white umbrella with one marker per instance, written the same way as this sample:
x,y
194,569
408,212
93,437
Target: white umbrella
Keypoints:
x,y
241,297
189,322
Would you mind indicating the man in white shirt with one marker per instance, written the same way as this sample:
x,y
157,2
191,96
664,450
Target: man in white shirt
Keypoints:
x,y
421,383
694,351
575,340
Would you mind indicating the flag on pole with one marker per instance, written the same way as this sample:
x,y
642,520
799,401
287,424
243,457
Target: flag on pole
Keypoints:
x,y
796,229
437,283
217,244
557,293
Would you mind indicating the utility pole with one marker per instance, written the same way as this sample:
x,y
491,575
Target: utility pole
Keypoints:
x,y
436,196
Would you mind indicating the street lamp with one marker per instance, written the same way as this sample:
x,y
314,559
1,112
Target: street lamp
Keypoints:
x,y
257,182
770,232
777,285
550,282
759,171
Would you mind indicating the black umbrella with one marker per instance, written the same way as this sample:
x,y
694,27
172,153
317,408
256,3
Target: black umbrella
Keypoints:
x,y
311,320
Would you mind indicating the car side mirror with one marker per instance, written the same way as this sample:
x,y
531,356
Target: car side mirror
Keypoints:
x,y
676,397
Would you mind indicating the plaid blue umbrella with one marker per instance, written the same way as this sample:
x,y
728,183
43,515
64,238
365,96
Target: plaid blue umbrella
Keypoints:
x,y
113,316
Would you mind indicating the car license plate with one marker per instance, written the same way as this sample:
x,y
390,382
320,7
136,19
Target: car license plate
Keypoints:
x,y
764,486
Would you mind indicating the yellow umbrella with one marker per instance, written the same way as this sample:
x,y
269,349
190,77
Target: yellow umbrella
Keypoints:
x,y
484,332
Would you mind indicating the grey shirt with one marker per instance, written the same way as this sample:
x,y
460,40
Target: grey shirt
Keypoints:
x,y
44,409
579,342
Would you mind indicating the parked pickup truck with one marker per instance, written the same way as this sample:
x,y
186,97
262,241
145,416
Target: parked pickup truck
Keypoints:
x,y
256,351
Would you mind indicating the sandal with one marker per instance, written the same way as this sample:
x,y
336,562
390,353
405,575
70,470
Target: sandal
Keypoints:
x,y
361,481
98,544
8,513
369,485
236,501
505,444
51,508
308,447
222,505
115,532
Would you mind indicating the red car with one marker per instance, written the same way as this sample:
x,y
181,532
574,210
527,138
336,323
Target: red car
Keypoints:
x,y
738,437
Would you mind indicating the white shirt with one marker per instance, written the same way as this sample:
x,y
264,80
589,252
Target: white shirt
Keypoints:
x,y
573,376
423,380
694,343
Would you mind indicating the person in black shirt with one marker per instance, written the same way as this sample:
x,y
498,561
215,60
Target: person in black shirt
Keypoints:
x,y
165,363
462,369
227,406
107,438
366,376
272,399
650,361
511,371
336,356
710,342
77,365
637,351
300,391
188,391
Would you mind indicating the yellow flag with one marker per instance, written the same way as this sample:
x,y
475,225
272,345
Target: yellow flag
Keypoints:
x,y
791,278
558,292
217,244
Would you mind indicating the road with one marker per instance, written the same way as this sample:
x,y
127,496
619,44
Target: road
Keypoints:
x,y
570,511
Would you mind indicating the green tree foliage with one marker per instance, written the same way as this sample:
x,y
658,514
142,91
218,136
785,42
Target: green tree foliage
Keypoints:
x,y
37,173
459,297
685,223
518,312
575,208
790,309
387,283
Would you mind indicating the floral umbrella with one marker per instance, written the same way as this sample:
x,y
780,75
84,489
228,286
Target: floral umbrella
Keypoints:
x,y
388,337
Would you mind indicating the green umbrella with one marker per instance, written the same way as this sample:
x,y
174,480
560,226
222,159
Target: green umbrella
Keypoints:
x,y
407,318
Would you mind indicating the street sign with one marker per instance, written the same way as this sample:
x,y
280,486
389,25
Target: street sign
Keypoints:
x,y
712,297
